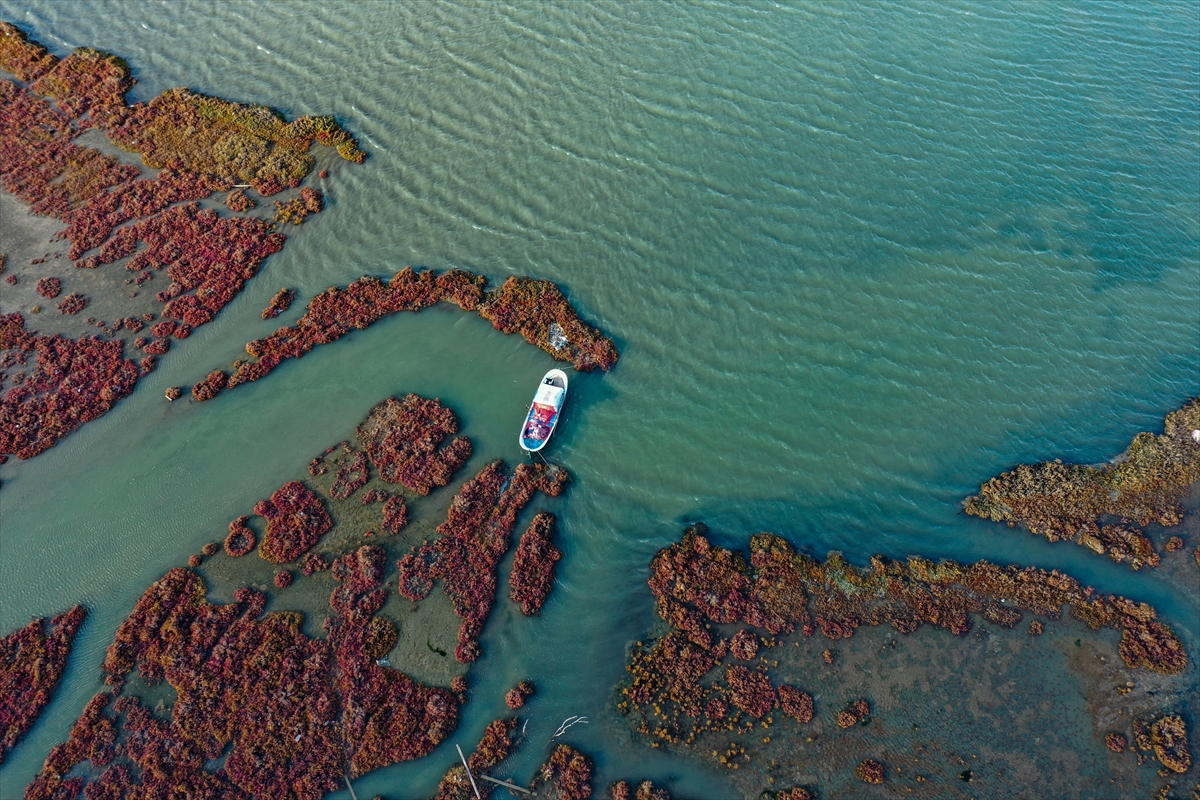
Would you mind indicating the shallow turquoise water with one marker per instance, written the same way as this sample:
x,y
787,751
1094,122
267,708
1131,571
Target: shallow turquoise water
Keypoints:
x,y
857,258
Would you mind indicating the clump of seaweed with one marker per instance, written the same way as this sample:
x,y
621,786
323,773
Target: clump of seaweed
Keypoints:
x,y
472,541
296,210
869,771
32,661
351,474
395,515
72,303
646,790
239,201
532,575
1168,737
208,388
1143,485
795,703
855,713
21,57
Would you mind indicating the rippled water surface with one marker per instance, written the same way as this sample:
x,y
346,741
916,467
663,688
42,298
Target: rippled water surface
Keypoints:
x,y
857,259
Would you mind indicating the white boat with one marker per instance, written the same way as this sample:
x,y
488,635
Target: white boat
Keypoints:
x,y
544,413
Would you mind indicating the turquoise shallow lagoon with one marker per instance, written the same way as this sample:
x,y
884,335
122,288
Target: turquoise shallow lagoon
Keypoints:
x,y
857,258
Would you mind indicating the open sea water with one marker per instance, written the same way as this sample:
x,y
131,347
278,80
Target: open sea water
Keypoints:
x,y
857,257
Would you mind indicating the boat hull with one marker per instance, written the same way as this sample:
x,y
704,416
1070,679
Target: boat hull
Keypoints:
x,y
544,412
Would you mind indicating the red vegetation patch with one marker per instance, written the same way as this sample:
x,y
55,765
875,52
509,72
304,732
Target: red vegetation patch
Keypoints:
x,y
335,312
49,287
534,308
1116,742
291,712
395,515
697,584
752,692
795,703
795,793
869,771
374,496
210,549
296,520
352,474
532,575
567,772
210,387
163,329
541,314
494,746
1168,737
1066,501
855,712
72,303
395,718
75,381
23,58
241,538
473,539
401,437
283,579
239,201
744,645
32,661
280,303
201,144
646,790
516,696
297,209
313,563
158,347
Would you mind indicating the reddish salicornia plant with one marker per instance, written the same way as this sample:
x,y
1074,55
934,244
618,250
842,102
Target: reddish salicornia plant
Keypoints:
x,y
532,575
473,539
296,520
32,661
49,287
241,538
402,437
